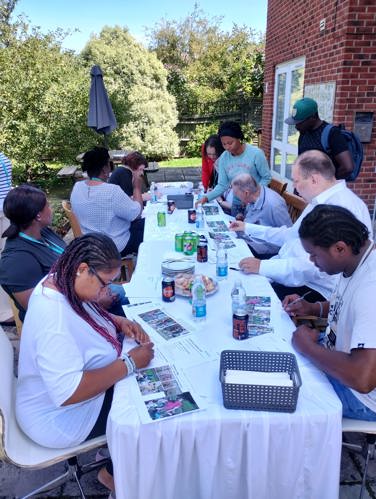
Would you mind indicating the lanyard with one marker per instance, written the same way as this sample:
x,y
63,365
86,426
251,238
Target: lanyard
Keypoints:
x,y
97,179
48,244
6,173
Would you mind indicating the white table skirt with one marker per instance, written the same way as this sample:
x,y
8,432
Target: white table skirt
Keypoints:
x,y
218,453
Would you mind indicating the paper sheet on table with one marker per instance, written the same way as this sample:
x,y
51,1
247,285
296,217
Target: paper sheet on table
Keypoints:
x,y
163,392
144,286
258,378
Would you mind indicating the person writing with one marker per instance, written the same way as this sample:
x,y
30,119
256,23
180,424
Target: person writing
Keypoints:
x,y
338,243
237,158
71,353
133,166
263,206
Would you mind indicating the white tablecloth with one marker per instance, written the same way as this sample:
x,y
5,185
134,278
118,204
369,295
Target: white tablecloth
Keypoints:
x,y
218,453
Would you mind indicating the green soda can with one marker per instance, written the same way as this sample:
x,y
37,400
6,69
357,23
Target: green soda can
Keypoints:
x,y
179,242
188,244
161,218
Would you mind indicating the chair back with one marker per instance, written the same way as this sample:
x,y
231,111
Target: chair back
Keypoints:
x,y
16,315
16,447
278,186
295,205
73,220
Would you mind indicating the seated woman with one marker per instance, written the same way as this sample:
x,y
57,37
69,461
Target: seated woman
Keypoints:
x,y
31,247
103,207
210,152
71,353
133,166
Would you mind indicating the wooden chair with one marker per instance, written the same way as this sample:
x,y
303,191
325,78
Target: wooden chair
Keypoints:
x,y
295,205
76,228
278,186
127,262
16,316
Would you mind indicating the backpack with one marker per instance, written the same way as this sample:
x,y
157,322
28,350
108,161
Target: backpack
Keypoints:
x,y
354,145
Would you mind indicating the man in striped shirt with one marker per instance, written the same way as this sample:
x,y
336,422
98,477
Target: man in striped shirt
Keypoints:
x,y
6,315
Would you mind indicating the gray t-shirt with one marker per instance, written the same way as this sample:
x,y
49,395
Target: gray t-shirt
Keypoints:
x,y
104,208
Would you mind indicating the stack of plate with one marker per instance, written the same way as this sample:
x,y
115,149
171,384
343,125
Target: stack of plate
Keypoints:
x,y
173,267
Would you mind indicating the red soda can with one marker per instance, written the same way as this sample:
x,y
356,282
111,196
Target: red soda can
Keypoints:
x,y
240,325
168,289
202,251
170,206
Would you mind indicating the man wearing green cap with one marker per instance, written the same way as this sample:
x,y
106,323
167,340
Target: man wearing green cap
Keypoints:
x,y
306,119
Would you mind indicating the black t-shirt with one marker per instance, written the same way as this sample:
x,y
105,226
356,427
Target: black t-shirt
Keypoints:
x,y
123,178
311,139
23,263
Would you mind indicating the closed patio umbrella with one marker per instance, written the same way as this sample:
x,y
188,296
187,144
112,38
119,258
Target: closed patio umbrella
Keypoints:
x,y
101,116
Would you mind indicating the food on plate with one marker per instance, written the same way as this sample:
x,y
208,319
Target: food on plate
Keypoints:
x,y
183,283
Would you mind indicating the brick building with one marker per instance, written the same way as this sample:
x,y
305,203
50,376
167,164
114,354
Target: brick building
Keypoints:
x,y
324,49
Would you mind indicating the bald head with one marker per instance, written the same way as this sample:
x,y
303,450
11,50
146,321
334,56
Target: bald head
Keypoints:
x,y
313,173
315,161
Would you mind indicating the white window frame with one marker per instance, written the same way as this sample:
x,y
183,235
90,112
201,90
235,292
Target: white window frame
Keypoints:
x,y
282,145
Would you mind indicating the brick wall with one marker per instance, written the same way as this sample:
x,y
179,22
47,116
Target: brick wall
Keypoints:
x,y
345,53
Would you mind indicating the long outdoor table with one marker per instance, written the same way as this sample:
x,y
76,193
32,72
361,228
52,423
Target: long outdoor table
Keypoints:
x,y
218,453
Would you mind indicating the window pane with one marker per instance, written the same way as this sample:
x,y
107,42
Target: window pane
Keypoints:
x,y
296,92
290,158
281,87
277,161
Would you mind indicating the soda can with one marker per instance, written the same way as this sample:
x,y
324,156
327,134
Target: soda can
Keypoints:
x,y
170,206
188,244
191,216
195,240
240,325
161,218
179,242
168,289
202,251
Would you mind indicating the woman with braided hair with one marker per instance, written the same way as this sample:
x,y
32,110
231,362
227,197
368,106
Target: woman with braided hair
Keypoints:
x,y
71,350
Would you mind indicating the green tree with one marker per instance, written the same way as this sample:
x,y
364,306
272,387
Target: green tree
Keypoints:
x,y
204,63
137,85
43,97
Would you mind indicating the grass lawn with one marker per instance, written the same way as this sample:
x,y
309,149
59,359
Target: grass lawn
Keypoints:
x,y
181,162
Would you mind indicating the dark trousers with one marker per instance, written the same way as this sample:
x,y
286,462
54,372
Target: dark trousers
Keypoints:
x,y
136,237
283,291
100,425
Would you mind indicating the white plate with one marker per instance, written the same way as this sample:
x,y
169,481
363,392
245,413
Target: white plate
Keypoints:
x,y
177,266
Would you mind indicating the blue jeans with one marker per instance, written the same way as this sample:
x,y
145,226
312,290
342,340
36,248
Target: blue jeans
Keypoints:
x,y
351,406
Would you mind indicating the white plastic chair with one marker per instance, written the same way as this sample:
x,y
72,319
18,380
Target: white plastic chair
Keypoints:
x,y
367,449
18,449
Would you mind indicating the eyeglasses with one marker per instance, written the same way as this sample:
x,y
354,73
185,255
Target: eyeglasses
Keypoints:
x,y
104,284
211,155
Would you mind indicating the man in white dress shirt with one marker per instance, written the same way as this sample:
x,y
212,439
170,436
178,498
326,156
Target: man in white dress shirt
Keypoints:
x,y
291,271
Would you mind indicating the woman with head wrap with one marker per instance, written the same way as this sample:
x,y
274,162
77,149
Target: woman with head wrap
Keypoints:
x,y
238,157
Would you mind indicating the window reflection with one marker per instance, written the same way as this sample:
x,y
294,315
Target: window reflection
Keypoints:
x,y
277,160
279,118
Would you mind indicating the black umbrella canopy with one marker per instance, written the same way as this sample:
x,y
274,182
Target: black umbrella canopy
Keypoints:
x,y
101,116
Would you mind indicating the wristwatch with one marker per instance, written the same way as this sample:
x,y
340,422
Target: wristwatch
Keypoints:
x,y
129,362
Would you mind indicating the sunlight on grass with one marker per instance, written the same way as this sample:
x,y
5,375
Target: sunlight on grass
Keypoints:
x,y
181,162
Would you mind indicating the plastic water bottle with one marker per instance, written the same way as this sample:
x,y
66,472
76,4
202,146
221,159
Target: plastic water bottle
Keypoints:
x,y
199,217
153,192
198,299
238,297
201,191
222,265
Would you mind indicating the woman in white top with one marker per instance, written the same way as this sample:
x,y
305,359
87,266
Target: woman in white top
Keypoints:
x,y
103,207
71,349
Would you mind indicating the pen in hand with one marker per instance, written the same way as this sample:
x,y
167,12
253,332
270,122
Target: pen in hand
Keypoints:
x,y
299,299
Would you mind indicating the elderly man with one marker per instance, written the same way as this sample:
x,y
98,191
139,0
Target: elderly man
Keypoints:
x,y
291,271
263,206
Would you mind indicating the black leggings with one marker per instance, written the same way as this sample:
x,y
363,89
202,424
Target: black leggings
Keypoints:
x,y
136,237
99,428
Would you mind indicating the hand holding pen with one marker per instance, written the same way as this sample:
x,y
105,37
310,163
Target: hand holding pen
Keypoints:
x,y
296,305
237,225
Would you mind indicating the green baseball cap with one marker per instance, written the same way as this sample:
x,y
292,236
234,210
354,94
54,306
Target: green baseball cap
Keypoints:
x,y
301,110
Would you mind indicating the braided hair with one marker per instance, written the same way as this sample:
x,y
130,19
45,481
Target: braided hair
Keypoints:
x,y
99,253
327,224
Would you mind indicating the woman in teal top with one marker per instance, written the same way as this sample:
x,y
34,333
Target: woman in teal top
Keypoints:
x,y
237,158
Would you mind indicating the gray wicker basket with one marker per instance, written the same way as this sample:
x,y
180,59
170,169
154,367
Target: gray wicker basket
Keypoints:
x,y
260,397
